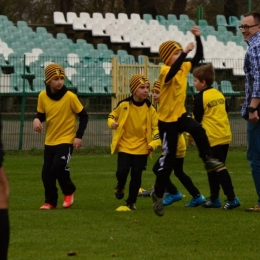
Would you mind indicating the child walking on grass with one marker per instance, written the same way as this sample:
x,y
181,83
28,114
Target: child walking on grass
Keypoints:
x,y
173,118
58,107
209,110
135,123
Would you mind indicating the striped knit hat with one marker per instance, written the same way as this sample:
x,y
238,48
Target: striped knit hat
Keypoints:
x,y
157,86
167,49
137,81
53,70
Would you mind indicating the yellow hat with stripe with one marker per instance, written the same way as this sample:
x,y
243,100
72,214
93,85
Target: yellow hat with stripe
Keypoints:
x,y
157,86
53,70
137,81
167,49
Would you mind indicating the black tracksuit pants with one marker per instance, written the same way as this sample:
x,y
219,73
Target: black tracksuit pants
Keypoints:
x,y
137,163
169,133
55,168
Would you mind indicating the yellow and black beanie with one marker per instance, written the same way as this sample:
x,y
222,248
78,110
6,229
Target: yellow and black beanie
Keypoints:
x,y
167,49
53,70
137,81
157,86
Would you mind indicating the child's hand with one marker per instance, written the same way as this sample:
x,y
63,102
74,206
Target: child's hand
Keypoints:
x,y
195,30
37,125
150,148
77,143
114,125
189,47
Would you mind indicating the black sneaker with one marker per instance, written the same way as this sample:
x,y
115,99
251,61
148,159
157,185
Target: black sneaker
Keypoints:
x,y
213,165
132,206
119,193
157,204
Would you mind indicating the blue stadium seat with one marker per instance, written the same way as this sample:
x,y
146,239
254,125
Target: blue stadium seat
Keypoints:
x,y
221,20
227,90
147,17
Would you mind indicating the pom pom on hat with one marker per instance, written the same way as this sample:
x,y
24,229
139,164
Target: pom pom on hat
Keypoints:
x,y
137,81
53,70
157,86
167,49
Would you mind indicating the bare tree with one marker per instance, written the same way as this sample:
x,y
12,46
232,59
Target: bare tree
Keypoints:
x,y
230,8
179,7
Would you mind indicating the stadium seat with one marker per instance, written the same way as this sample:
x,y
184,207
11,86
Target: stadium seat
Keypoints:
x,y
102,46
154,46
97,30
89,23
172,18
221,20
232,21
38,84
147,18
23,85
84,16
135,18
6,52
69,72
3,18
61,36
70,16
107,55
136,41
202,23
98,87
109,17
81,42
107,66
41,30
96,16
72,58
21,24
83,86
227,90
165,23
109,29
160,18
215,85
78,25
141,59
184,17
147,41
58,18
122,17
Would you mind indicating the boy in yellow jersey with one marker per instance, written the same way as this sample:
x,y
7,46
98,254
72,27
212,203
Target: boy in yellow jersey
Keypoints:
x,y
210,111
197,197
4,204
58,107
135,123
172,116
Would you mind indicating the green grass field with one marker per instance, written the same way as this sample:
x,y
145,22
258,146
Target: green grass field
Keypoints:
x,y
94,230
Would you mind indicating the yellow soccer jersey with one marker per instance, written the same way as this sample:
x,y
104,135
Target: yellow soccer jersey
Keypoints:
x,y
173,93
210,110
133,140
60,117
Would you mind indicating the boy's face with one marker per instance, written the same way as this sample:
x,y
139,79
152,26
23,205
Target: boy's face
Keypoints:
x,y
156,95
142,93
174,57
199,85
56,84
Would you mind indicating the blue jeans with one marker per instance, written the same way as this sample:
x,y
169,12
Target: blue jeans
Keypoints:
x,y
253,153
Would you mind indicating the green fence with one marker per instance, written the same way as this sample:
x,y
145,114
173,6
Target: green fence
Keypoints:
x,y
100,84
